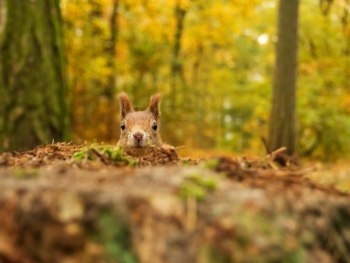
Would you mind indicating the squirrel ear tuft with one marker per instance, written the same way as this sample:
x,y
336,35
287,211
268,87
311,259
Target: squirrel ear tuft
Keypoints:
x,y
124,104
154,105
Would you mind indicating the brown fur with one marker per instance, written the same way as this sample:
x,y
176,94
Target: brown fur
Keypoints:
x,y
139,129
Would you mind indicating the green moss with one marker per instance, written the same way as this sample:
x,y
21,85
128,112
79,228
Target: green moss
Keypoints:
x,y
115,238
189,189
197,186
82,154
210,164
114,155
297,256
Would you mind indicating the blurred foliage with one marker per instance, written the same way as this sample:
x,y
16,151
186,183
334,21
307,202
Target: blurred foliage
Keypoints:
x,y
224,66
198,186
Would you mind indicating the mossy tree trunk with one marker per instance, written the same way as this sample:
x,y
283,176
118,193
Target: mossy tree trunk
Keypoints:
x,y
32,77
282,121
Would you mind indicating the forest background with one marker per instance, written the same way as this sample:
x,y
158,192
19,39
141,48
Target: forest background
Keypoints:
x,y
212,61
62,65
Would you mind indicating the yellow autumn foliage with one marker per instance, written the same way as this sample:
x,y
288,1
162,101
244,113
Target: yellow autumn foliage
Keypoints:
x,y
218,95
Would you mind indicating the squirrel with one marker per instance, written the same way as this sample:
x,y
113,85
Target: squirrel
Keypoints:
x,y
139,130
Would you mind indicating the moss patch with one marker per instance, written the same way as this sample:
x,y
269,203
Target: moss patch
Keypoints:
x,y
114,236
105,154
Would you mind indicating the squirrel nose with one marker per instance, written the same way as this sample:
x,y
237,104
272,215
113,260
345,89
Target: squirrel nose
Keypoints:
x,y
138,136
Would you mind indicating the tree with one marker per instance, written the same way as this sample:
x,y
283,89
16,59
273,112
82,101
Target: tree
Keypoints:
x,y
282,120
110,88
32,76
176,65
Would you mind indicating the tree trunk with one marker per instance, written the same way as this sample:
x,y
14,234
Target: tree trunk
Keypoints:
x,y
282,120
32,77
176,65
111,88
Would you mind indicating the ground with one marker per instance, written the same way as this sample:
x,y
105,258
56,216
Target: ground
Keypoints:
x,y
92,203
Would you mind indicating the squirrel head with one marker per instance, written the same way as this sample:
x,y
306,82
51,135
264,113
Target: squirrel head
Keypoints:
x,y
139,129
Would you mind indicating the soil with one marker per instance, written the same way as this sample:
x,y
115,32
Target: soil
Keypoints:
x,y
90,203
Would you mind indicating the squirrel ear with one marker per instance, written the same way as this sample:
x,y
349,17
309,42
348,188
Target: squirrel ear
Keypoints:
x,y
154,105
124,104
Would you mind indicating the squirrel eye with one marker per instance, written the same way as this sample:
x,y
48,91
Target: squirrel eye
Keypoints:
x,y
154,126
122,126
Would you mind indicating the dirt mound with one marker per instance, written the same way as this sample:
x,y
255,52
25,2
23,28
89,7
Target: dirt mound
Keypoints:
x,y
74,203
84,155
40,156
